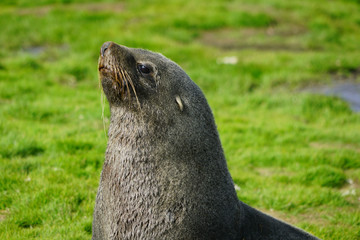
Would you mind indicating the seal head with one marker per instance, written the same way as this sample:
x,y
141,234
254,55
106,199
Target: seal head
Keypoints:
x,y
133,76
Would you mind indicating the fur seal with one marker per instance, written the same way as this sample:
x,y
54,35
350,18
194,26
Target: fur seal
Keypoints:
x,y
165,174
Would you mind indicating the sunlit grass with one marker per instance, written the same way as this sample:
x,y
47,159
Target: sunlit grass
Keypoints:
x,y
292,154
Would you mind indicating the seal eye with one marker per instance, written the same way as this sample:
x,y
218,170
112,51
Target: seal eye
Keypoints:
x,y
144,69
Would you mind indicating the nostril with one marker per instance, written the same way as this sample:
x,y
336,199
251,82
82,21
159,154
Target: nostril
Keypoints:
x,y
104,47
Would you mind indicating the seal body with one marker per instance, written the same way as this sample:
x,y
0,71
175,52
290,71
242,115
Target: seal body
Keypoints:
x,y
165,174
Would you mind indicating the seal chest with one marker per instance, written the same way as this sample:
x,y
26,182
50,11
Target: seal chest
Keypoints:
x,y
165,174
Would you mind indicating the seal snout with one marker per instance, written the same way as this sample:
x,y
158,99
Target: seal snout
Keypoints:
x,y
105,47
104,53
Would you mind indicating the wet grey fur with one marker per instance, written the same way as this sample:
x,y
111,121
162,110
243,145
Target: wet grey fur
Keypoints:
x,y
165,174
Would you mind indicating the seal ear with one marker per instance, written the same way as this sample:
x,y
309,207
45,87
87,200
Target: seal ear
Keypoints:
x,y
179,102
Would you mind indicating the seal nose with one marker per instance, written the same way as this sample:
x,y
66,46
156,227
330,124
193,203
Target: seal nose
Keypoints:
x,y
105,47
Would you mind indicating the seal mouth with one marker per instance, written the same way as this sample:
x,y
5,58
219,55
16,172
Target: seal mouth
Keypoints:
x,y
102,67
122,82
120,79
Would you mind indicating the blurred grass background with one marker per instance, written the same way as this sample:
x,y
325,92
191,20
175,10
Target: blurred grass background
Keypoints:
x,y
292,154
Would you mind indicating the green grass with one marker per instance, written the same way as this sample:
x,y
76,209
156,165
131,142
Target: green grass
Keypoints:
x,y
294,155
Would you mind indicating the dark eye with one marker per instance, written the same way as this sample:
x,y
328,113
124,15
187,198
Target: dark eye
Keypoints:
x,y
144,69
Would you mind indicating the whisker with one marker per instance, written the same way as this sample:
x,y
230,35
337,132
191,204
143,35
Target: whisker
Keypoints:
x,y
118,81
102,101
126,82
133,88
122,81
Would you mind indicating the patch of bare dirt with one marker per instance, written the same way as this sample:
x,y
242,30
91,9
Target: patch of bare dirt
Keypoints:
x,y
267,172
263,39
353,72
310,217
38,11
320,145
88,7
99,7
281,216
4,214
